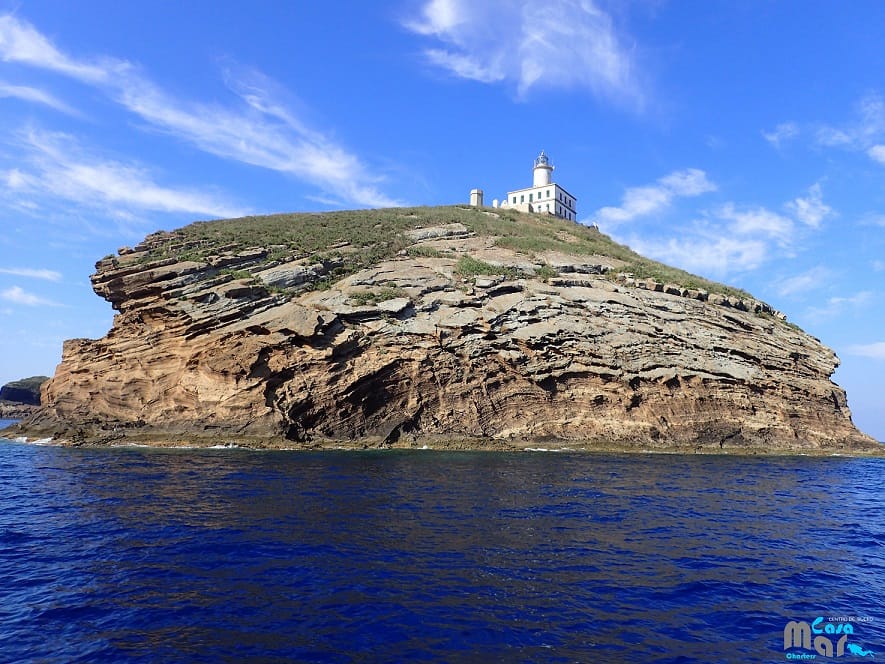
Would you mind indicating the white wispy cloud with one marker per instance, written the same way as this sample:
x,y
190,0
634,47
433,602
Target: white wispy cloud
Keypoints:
x,y
17,295
14,178
874,351
260,130
864,132
35,95
810,210
723,239
34,273
837,306
636,202
465,66
877,153
704,253
872,115
781,133
832,137
809,280
757,220
649,199
439,17
872,219
567,44
56,165
20,42
687,182
264,134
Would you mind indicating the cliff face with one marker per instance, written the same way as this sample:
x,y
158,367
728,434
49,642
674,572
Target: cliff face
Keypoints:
x,y
25,391
541,348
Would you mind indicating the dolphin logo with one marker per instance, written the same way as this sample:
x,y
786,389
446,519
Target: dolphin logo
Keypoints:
x,y
855,649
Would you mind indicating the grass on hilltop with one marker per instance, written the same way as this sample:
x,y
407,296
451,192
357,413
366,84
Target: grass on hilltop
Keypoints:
x,y
361,238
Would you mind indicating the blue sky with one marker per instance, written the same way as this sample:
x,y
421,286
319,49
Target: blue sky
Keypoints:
x,y
744,141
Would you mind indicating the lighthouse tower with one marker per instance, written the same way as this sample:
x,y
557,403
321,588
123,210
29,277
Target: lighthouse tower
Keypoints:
x,y
542,171
544,196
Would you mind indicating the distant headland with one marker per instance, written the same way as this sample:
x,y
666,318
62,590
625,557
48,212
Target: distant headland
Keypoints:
x,y
20,398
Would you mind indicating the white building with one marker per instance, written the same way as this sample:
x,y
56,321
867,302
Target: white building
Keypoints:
x,y
544,196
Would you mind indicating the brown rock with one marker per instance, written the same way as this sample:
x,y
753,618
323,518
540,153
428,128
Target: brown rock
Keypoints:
x,y
195,354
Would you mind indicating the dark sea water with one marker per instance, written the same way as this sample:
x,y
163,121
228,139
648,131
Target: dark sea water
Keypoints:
x,y
139,555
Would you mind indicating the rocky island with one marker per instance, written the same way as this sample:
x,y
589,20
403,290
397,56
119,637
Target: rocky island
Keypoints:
x,y
452,327
20,398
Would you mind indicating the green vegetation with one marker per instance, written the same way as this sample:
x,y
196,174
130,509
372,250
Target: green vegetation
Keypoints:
x,y
530,234
427,252
383,294
237,274
644,268
545,273
471,267
367,235
360,238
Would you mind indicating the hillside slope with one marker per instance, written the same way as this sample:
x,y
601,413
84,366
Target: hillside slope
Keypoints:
x,y
448,327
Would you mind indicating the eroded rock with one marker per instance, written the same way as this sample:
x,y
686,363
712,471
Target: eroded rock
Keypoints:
x,y
406,351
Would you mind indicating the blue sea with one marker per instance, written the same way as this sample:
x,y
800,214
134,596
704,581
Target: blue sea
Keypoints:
x,y
146,555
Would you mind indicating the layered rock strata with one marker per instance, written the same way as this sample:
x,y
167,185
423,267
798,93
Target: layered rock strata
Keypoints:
x,y
552,352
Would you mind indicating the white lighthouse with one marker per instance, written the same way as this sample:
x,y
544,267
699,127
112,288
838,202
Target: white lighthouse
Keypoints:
x,y
542,171
544,196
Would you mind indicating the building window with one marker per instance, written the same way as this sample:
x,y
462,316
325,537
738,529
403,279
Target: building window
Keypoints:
x,y
548,193
521,198
530,198
514,200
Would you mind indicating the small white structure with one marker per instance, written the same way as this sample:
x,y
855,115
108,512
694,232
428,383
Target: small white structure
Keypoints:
x,y
476,197
544,196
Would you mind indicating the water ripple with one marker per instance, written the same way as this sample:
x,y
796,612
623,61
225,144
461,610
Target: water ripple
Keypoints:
x,y
138,555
